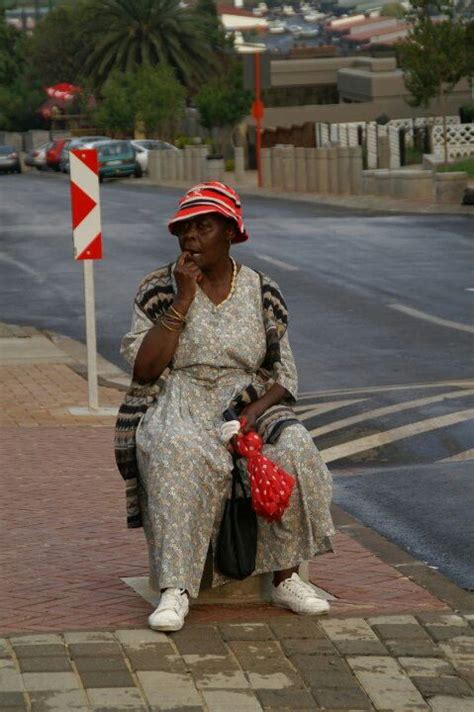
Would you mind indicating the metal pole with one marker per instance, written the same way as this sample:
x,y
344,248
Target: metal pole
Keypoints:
x,y
89,300
258,119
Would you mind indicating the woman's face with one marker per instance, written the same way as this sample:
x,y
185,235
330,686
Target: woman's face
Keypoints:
x,y
206,238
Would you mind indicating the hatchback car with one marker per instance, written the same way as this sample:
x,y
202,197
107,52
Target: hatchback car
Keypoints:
x,y
116,158
76,143
36,157
143,146
53,153
9,160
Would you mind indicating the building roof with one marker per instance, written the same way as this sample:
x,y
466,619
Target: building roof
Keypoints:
x,y
401,28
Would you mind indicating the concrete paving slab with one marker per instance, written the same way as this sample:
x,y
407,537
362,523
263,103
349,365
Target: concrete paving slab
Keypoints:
x,y
116,699
59,701
36,681
237,701
169,690
386,684
35,349
443,703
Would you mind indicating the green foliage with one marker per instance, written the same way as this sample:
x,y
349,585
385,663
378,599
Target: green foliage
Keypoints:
x,y
129,33
12,53
229,164
149,95
394,9
467,165
436,55
18,104
223,102
60,44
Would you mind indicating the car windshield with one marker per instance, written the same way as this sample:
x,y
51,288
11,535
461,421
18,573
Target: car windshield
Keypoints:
x,y
5,150
116,149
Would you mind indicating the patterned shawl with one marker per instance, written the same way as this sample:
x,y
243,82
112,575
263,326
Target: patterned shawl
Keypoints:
x,y
155,295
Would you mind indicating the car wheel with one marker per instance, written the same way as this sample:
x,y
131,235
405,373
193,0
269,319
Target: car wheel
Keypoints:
x,y
19,169
138,171
101,178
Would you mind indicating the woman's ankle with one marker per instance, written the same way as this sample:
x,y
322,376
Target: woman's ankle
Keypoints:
x,y
279,576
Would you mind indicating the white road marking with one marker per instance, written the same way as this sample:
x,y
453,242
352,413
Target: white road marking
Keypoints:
x,y
469,289
277,263
390,436
308,411
380,389
387,410
459,457
433,319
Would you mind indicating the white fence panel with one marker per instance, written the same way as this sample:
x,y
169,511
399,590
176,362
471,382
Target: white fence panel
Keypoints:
x,y
372,145
460,140
394,141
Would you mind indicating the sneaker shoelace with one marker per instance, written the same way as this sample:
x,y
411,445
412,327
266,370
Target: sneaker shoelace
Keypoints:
x,y
170,600
299,587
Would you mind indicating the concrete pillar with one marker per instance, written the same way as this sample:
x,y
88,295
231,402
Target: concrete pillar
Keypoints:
x,y
311,182
154,167
266,166
300,170
172,166
165,165
214,169
239,164
343,170
288,160
332,170
382,181
322,170
383,152
204,152
450,187
368,182
180,166
197,158
188,163
277,166
356,165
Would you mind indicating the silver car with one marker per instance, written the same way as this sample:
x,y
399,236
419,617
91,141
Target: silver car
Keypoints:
x,y
9,160
36,157
143,146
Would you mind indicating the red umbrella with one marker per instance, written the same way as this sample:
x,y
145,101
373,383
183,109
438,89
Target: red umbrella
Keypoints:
x,y
271,485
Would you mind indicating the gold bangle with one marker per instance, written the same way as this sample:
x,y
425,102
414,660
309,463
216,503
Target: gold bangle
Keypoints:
x,y
170,328
173,318
178,313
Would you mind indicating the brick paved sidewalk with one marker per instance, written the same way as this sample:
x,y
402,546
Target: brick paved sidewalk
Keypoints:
x,y
400,663
397,633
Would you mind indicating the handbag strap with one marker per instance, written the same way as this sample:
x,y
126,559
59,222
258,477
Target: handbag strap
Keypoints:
x,y
237,479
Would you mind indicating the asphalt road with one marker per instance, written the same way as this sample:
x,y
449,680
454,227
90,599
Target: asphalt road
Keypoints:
x,y
381,311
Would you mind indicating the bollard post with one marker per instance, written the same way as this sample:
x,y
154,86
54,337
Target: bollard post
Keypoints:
x,y
311,176
355,159
266,167
322,170
288,160
188,163
239,164
343,170
332,170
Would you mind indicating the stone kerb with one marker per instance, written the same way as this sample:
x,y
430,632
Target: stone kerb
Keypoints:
x,y
450,187
343,170
300,170
332,170
322,170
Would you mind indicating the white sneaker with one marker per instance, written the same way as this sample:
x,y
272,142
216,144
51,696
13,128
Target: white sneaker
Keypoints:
x,y
171,611
298,596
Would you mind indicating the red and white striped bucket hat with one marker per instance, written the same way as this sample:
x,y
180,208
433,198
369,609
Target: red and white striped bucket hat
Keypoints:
x,y
211,197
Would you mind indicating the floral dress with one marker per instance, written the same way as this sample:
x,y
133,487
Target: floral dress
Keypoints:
x,y
185,470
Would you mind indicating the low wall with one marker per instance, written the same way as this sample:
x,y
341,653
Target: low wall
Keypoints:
x,y
190,165
416,185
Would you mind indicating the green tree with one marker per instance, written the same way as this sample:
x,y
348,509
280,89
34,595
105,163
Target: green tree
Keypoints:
x,y
150,97
394,9
435,56
129,33
12,52
60,44
223,102
19,102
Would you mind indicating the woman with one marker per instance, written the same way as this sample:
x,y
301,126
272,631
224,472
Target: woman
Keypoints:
x,y
208,343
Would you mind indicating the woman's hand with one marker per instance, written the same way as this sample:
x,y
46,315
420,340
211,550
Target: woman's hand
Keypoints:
x,y
187,275
251,413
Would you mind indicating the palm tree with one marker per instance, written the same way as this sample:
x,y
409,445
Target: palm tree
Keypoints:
x,y
130,33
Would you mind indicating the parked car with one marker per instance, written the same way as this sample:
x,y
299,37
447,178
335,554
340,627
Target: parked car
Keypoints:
x,y
116,158
143,146
76,143
9,160
53,153
36,157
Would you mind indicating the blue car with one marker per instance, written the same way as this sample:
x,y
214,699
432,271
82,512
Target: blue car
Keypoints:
x,y
116,159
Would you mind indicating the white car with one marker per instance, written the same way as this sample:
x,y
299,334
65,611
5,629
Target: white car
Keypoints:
x,y
36,157
143,145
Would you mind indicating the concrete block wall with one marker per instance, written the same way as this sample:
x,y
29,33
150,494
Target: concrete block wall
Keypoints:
x,y
416,185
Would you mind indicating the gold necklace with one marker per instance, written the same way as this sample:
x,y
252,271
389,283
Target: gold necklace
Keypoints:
x,y
232,283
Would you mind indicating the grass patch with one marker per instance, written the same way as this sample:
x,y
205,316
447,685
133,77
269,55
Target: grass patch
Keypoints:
x,y
467,165
413,156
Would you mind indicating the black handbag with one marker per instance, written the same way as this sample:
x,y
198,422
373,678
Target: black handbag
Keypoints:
x,y
236,547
